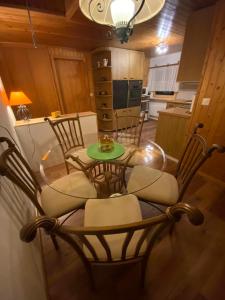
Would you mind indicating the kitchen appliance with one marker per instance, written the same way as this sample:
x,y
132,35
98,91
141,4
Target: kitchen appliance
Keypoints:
x,y
144,91
145,108
134,93
120,94
126,93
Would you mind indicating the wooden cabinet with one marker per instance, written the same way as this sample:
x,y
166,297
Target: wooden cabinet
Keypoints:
x,y
171,132
136,65
102,75
195,44
127,64
130,111
120,64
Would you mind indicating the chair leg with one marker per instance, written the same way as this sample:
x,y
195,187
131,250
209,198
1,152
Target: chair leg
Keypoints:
x,y
67,168
91,278
171,229
143,273
55,243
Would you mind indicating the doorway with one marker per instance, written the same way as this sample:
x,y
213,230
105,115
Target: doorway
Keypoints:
x,y
72,79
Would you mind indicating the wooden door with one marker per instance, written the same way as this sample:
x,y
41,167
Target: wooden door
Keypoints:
x,y
120,64
136,65
72,79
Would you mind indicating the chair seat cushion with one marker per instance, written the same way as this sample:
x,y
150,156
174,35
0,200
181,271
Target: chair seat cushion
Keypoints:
x,y
111,212
56,204
82,155
163,191
138,157
127,152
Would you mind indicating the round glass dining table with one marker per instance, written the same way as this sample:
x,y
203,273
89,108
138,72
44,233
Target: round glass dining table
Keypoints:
x,y
150,155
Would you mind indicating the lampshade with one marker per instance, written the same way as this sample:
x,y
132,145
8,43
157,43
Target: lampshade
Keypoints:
x,y
108,12
18,98
122,12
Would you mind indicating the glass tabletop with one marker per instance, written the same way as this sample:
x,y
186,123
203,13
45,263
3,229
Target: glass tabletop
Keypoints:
x,y
113,175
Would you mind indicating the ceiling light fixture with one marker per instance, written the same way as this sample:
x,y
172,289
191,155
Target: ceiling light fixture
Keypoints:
x,y
121,15
162,48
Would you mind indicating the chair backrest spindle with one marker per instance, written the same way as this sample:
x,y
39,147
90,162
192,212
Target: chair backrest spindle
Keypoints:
x,y
68,133
14,166
145,233
129,129
194,155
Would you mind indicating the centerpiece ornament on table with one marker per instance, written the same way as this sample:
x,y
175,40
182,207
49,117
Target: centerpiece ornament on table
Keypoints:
x,y
106,143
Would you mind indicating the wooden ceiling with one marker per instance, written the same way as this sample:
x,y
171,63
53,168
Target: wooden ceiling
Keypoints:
x,y
62,24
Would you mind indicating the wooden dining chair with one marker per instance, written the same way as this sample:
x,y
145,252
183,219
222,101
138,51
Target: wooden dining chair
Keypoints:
x,y
54,200
128,129
69,135
109,177
114,232
169,189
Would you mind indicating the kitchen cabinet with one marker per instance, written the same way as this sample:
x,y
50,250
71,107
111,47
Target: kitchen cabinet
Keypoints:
x,y
195,45
136,65
131,111
120,64
127,64
171,133
102,75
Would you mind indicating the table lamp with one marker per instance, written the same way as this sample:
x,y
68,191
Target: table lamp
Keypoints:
x,y
20,99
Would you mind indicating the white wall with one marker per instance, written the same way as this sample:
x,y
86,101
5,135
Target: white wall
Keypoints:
x,y
165,78
21,275
38,138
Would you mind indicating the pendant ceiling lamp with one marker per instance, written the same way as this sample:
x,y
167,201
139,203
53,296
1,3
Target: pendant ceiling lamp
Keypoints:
x,y
120,14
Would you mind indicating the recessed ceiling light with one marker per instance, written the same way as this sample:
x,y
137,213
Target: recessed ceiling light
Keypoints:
x,y
161,48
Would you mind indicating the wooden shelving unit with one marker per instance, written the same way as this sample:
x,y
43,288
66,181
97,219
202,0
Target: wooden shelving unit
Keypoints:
x,y
103,84
122,64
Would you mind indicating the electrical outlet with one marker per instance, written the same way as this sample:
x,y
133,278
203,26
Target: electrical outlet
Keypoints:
x,y
206,101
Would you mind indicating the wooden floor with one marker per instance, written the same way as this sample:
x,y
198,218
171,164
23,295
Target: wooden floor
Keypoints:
x,y
189,265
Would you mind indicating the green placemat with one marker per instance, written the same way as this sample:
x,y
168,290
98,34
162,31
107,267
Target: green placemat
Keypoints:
x,y
93,152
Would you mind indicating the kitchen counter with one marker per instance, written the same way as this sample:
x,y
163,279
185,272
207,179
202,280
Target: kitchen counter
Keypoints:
x,y
172,128
175,101
41,120
165,99
176,111
157,104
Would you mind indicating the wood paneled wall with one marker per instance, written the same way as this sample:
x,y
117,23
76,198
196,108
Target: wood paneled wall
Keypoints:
x,y
32,70
213,86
